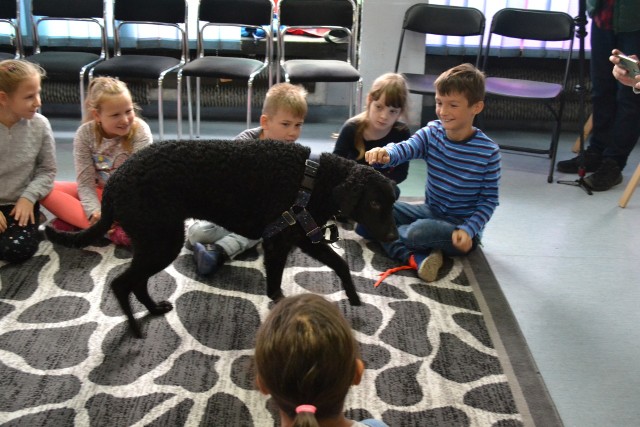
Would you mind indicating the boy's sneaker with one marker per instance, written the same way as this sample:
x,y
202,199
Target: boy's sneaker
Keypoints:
x,y
208,258
607,175
429,267
592,162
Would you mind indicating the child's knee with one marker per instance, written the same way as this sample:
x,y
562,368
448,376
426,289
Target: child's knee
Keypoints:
x,y
205,232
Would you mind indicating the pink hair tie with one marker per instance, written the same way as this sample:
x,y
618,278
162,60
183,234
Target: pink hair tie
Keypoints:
x,y
306,408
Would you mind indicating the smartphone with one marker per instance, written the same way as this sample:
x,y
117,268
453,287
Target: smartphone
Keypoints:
x,y
629,64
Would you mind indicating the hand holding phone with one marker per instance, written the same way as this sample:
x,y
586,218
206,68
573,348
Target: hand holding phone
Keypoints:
x,y
631,65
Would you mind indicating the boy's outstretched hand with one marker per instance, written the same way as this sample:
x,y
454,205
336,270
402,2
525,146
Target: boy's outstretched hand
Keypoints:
x,y
377,155
461,240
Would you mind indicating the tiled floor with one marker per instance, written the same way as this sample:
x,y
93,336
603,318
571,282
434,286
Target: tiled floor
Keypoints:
x,y
567,262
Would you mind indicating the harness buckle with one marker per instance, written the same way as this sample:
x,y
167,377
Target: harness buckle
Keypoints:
x,y
288,217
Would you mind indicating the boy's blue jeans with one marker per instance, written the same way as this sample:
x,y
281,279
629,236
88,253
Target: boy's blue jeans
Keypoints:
x,y
420,231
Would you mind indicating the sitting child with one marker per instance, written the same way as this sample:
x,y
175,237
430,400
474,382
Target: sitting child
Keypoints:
x,y
283,113
463,173
378,125
111,132
307,358
27,159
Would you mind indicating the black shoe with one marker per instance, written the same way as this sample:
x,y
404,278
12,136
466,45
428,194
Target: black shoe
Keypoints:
x,y
592,162
607,175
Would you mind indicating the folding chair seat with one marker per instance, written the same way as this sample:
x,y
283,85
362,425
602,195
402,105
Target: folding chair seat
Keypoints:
x,y
250,14
128,14
68,61
10,16
444,21
540,25
338,15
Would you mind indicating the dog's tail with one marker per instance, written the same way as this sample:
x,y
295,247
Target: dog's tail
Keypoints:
x,y
80,239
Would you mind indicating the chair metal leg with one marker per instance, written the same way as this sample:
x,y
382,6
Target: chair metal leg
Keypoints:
x,y
553,151
189,108
179,105
631,186
82,91
249,92
160,110
197,107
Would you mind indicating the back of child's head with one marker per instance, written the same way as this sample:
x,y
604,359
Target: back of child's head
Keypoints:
x,y
15,71
393,87
306,355
288,97
100,89
464,79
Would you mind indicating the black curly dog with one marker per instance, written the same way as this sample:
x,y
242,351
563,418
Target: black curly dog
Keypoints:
x,y
242,186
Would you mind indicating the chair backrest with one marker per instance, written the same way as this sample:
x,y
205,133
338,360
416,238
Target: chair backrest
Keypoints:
x,y
93,11
328,14
10,14
317,13
532,24
239,13
172,13
445,21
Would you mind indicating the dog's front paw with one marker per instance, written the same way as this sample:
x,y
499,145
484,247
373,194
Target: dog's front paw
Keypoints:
x,y
161,308
355,300
276,296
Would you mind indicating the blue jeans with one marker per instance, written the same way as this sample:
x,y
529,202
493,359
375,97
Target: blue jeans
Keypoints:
x,y
207,232
616,109
420,230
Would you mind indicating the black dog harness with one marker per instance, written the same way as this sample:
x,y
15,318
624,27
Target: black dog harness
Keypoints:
x,y
298,213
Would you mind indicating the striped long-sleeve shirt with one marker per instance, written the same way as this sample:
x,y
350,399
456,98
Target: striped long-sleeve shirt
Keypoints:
x,y
462,176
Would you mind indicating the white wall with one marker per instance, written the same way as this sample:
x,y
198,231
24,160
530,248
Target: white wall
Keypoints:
x,y
380,36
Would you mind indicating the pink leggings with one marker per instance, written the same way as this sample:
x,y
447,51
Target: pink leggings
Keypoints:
x,y
64,203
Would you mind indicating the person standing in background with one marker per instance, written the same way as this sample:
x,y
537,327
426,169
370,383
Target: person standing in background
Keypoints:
x,y
616,128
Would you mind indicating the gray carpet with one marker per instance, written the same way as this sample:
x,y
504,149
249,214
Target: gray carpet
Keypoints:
x,y
441,354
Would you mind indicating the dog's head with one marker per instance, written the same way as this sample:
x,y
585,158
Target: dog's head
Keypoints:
x,y
367,197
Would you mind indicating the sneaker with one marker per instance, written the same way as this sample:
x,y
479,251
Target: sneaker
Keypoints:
x,y
429,267
208,258
117,235
592,162
607,176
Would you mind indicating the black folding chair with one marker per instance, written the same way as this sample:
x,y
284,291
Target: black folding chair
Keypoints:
x,y
161,14
337,15
251,14
439,20
68,62
10,15
541,25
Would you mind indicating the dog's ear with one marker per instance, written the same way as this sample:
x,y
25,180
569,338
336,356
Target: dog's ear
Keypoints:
x,y
349,192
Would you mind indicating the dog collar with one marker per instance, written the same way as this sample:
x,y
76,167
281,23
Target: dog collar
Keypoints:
x,y
298,213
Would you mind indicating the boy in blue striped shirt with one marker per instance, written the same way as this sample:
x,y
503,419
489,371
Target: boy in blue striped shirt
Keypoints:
x,y
463,174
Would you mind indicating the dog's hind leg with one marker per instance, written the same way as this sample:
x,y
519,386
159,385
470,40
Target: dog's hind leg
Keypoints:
x,y
323,253
149,257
